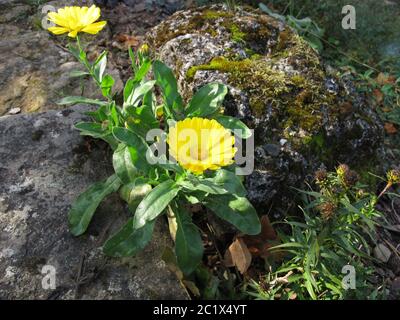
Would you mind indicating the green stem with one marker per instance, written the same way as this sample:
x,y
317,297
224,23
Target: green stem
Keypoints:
x,y
86,63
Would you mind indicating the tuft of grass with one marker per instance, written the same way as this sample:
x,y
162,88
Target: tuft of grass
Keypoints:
x,y
337,229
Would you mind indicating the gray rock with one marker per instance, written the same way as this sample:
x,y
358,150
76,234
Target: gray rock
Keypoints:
x,y
382,253
279,87
44,165
35,66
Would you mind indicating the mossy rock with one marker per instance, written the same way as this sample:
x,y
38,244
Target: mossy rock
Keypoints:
x,y
279,87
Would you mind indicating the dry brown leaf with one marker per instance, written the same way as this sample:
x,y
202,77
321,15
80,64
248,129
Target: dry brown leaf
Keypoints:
x,y
125,41
259,245
228,262
267,230
390,128
241,256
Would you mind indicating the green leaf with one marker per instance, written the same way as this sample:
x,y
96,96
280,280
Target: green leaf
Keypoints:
x,y
234,124
128,89
134,192
155,202
114,114
188,243
137,94
236,210
123,165
229,181
142,71
100,114
97,131
86,204
129,241
223,182
207,100
74,51
165,164
166,80
99,67
137,147
106,85
78,73
141,119
204,185
71,100
92,129
267,10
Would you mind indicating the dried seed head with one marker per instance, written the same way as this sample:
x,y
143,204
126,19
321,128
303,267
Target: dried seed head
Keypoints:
x,y
327,209
350,178
393,176
321,175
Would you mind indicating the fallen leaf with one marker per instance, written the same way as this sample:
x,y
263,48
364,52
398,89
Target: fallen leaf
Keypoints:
x,y
228,262
390,128
241,256
259,244
267,230
125,41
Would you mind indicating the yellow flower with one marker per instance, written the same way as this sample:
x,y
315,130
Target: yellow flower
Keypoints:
x,y
76,19
200,144
144,48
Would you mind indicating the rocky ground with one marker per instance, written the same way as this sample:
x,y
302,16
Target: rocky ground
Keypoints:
x,y
52,165
35,65
337,124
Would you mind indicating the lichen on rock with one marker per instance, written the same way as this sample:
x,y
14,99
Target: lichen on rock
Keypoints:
x,y
279,86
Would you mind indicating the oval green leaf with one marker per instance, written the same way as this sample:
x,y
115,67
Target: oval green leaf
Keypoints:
x,y
129,241
235,125
237,211
86,204
207,100
188,243
123,165
155,202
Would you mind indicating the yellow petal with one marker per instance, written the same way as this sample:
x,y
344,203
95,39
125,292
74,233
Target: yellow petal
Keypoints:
x,y
73,34
57,19
58,30
94,27
92,14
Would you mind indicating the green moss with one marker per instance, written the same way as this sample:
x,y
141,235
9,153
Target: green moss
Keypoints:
x,y
296,100
237,34
214,14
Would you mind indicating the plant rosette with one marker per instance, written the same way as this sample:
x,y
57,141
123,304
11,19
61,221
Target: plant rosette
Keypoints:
x,y
197,137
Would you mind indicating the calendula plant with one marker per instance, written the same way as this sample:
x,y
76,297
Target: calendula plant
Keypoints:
x,y
204,170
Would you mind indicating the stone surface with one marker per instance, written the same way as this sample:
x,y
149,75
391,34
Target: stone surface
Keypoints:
x,y
382,253
35,66
44,165
303,115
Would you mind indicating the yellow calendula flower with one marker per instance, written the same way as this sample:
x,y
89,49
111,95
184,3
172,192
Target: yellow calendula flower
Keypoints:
x,y
200,144
76,19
